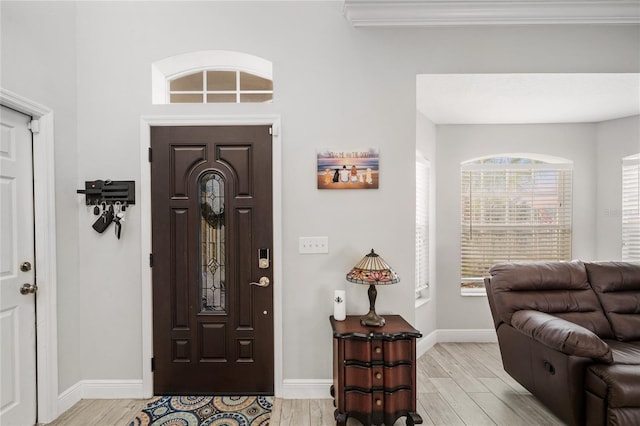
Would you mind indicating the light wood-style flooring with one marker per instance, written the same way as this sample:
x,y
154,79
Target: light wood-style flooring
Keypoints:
x,y
458,384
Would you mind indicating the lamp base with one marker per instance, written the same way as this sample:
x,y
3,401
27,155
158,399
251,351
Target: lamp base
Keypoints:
x,y
372,320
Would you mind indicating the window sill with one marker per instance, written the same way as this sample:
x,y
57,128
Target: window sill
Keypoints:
x,y
473,292
422,301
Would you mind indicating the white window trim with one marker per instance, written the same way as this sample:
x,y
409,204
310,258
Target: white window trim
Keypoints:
x,y
630,208
544,158
422,289
176,66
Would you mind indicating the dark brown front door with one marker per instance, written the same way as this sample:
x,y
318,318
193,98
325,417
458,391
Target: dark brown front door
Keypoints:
x,y
211,224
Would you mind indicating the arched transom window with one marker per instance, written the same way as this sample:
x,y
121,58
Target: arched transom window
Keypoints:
x,y
212,76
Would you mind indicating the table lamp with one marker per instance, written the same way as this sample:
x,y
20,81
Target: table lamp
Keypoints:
x,y
372,270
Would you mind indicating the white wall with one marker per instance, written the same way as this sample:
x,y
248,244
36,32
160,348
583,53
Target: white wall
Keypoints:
x,y
616,140
458,143
335,86
39,63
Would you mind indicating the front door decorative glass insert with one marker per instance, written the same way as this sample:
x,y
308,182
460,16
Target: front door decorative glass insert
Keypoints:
x,y
212,237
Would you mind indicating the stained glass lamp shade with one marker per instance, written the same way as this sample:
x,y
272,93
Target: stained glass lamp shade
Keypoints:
x,y
372,270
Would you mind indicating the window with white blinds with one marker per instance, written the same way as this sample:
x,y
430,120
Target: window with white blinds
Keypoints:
x,y
513,209
422,227
631,208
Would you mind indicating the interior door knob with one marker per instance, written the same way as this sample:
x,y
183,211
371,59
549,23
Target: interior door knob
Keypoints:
x,y
262,282
28,288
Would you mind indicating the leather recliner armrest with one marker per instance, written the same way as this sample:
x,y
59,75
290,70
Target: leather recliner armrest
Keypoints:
x,y
562,335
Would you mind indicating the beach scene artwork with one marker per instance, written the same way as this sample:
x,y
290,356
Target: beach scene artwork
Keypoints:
x,y
358,169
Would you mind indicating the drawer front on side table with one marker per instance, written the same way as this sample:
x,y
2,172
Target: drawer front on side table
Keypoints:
x,y
358,376
364,402
378,377
367,351
364,351
398,351
378,407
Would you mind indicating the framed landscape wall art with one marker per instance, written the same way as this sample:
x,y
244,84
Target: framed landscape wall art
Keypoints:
x,y
358,169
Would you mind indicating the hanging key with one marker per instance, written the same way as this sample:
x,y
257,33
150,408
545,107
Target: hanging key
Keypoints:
x,y
118,226
119,219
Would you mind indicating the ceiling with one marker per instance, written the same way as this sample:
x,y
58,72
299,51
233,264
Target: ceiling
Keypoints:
x,y
527,98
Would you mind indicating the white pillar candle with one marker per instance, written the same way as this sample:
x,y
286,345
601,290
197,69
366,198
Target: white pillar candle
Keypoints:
x,y
339,305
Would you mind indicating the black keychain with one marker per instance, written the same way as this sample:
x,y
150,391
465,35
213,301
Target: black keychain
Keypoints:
x,y
104,220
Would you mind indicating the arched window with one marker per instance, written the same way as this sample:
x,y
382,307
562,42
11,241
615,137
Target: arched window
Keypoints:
x,y
212,76
514,208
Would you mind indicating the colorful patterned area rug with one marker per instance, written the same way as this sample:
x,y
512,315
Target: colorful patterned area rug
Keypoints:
x,y
206,411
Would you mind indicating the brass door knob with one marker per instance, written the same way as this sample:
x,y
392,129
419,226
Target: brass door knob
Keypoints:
x,y
28,288
378,376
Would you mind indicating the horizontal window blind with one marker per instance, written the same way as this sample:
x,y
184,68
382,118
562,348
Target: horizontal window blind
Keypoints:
x,y
513,213
631,208
422,226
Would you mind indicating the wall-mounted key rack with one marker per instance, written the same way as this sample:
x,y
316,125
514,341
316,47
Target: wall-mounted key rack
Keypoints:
x,y
110,199
109,192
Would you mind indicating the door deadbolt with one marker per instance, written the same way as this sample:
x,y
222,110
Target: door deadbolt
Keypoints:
x,y
25,266
263,258
28,288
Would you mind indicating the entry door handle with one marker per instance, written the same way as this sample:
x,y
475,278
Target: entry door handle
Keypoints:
x,y
28,288
263,282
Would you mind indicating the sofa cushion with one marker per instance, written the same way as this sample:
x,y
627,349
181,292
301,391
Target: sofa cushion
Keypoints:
x,y
618,383
562,335
617,285
557,288
625,352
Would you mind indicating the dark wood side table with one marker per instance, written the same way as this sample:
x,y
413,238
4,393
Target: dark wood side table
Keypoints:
x,y
374,371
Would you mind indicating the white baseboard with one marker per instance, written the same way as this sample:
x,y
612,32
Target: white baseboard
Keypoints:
x,y
112,389
306,389
487,335
99,389
69,398
451,336
426,342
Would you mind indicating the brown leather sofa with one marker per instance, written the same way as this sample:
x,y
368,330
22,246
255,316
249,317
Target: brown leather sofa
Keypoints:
x,y
569,332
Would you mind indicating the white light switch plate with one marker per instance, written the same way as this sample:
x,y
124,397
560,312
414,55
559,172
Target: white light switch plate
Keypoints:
x,y
313,245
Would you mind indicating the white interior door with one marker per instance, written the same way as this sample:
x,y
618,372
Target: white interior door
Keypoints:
x,y
17,310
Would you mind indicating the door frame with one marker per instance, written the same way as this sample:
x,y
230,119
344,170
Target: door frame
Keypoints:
x,y
45,252
146,122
